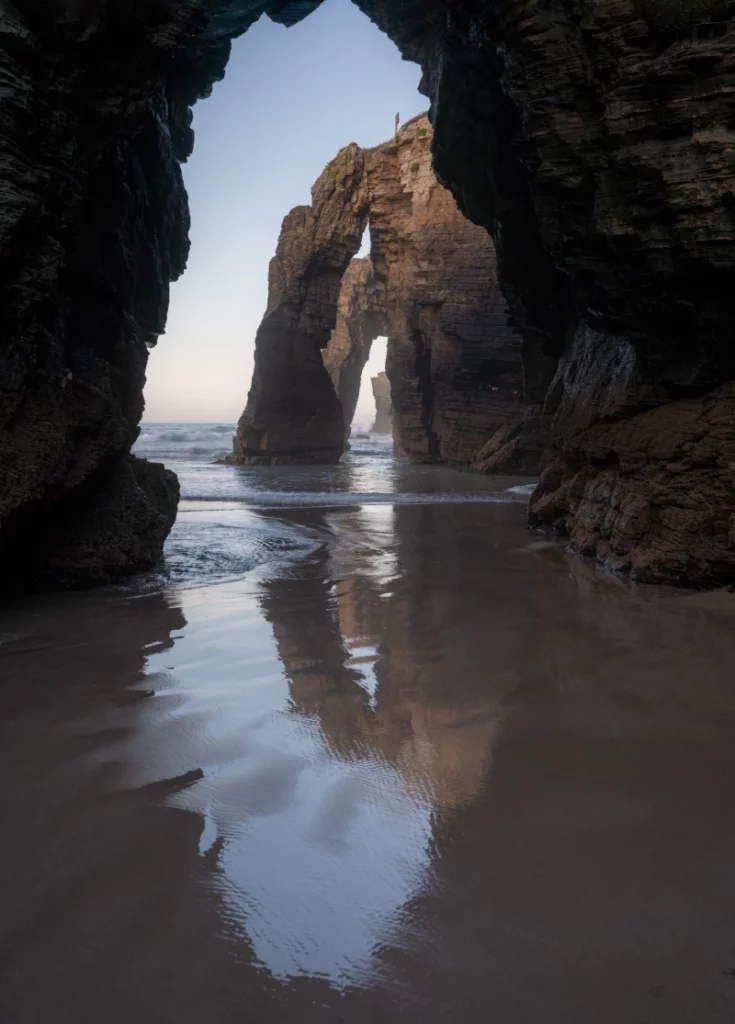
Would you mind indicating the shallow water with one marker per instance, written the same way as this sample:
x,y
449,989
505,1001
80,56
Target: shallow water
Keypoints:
x,y
401,762
219,534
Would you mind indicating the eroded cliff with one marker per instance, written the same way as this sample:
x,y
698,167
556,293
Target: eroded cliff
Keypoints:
x,y
596,141
594,138
430,285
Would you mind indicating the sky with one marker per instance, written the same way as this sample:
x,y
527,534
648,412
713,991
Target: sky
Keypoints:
x,y
291,99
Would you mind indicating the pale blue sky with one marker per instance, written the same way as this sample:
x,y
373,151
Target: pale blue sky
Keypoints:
x,y
291,99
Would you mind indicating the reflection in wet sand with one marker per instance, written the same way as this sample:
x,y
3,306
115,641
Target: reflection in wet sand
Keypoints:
x,y
325,834
432,772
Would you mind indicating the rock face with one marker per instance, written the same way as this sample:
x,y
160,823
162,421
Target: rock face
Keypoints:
x,y
93,226
594,138
293,413
430,284
383,405
360,320
596,141
651,492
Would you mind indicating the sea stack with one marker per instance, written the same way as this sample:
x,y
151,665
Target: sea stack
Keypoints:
x,y
430,285
383,406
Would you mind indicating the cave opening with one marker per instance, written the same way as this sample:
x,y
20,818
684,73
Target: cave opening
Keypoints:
x,y
251,164
98,122
373,414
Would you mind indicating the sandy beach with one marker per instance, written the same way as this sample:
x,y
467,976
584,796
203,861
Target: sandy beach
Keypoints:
x,y
417,764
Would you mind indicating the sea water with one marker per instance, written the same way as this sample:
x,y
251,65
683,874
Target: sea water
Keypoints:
x,y
233,518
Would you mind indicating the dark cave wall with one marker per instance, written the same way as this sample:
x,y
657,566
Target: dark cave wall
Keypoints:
x,y
594,138
94,124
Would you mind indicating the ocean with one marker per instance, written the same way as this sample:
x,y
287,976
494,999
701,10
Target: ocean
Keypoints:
x,y
234,518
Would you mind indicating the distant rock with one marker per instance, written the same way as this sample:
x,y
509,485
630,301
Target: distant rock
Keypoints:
x,y
593,140
430,284
383,405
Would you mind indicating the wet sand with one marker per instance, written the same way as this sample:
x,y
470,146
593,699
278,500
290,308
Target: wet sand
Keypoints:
x,y
433,770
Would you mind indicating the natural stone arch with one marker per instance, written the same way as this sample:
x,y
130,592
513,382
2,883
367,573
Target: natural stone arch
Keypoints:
x,y
576,132
293,413
430,284
360,321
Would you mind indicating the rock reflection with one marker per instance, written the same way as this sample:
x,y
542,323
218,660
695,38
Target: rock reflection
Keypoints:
x,y
386,660
394,710
427,763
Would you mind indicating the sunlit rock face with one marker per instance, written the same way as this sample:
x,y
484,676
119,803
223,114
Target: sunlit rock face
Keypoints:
x,y
430,285
453,361
594,138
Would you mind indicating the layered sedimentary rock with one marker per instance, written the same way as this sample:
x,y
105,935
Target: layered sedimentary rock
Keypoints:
x,y
93,226
430,284
383,405
453,360
293,413
594,138
596,141
360,320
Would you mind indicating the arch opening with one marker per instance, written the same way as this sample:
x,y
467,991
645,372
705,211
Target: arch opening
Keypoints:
x,y
370,417
252,163
429,284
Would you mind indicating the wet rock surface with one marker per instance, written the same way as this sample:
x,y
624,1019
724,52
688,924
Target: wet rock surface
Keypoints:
x,y
113,526
651,494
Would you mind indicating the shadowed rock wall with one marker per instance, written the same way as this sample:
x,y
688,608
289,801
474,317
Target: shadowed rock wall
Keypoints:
x,y
430,284
293,413
596,141
454,362
594,138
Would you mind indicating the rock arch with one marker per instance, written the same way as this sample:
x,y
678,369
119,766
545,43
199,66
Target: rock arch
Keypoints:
x,y
430,284
593,139
361,320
